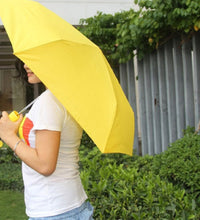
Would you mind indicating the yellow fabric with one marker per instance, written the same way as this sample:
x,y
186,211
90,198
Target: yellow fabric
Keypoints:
x,y
20,131
74,69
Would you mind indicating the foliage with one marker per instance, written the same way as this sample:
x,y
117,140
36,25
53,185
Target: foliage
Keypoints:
x,y
143,30
180,164
87,141
10,170
11,177
164,186
6,155
122,187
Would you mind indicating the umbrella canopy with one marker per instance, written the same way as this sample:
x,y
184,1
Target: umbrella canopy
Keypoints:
x,y
75,71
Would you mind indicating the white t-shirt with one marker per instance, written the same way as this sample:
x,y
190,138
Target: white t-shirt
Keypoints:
x,y
61,191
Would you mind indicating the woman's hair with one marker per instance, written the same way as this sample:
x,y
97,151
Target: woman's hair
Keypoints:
x,y
22,74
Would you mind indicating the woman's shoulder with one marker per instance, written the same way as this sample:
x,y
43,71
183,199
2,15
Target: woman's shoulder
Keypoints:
x,y
48,101
47,96
47,105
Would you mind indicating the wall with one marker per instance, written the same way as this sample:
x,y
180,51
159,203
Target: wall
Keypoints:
x,y
168,93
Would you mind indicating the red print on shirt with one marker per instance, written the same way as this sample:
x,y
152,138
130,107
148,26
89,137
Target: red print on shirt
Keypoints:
x,y
26,128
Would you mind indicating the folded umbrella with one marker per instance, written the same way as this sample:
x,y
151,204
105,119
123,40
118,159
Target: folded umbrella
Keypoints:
x,y
75,71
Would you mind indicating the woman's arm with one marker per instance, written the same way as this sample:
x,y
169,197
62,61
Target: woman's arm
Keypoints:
x,y
42,158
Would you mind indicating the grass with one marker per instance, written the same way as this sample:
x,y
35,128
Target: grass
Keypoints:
x,y
12,206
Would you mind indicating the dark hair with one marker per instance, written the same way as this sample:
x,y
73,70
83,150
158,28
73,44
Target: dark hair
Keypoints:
x,y
22,74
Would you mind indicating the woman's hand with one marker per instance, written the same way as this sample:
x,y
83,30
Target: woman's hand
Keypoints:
x,y
42,158
8,128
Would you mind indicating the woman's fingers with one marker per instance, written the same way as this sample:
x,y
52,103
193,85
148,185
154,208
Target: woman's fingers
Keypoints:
x,y
4,114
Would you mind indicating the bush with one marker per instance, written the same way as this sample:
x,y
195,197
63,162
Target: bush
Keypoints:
x,y
6,155
11,177
180,164
10,170
122,187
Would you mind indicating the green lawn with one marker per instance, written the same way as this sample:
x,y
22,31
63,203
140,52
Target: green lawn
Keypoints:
x,y
12,206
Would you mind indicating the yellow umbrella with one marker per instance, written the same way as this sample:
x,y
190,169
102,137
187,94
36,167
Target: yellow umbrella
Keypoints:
x,y
75,71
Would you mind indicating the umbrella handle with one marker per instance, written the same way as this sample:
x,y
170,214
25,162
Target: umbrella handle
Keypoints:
x,y
14,116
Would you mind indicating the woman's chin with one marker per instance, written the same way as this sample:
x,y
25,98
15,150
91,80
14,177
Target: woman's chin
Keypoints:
x,y
32,80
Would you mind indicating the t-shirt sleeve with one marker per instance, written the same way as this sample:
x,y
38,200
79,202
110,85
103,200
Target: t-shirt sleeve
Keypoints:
x,y
48,114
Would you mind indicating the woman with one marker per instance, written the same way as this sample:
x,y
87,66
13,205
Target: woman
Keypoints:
x,y
48,147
